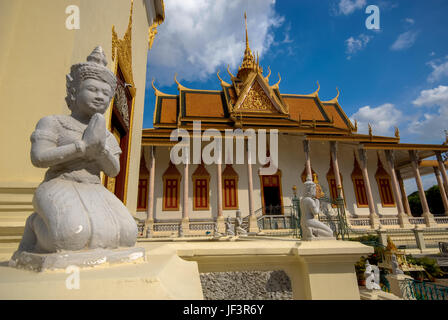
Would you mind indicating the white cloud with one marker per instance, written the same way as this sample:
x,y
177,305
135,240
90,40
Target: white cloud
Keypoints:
x,y
354,45
200,36
404,41
347,7
410,21
383,119
433,97
439,70
431,126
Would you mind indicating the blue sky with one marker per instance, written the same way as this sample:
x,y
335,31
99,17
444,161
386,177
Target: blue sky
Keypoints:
x,y
397,76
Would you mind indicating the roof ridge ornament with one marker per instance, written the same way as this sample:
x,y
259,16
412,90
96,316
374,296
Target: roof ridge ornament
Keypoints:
x,y
397,133
179,86
230,73
316,93
275,86
223,83
269,74
157,91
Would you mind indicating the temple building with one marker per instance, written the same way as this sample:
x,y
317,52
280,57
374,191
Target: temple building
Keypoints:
x,y
315,138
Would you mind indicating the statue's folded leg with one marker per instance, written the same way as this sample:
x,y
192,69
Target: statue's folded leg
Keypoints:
x,y
62,222
29,239
127,225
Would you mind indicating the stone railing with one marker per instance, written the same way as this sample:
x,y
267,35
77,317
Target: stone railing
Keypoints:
x,y
166,226
441,220
359,222
207,226
389,221
274,222
418,220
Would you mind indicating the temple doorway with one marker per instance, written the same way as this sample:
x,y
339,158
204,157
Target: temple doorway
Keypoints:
x,y
271,195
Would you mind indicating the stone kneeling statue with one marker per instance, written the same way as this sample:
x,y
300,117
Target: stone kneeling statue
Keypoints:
x,y
312,229
239,230
73,210
229,227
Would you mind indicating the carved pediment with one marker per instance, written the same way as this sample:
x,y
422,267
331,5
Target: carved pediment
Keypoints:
x,y
257,97
256,100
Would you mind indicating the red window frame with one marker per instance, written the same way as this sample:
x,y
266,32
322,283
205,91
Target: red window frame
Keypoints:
x,y
387,197
142,198
201,196
360,192
171,194
230,193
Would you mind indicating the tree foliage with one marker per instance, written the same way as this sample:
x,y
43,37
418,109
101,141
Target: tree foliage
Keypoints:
x,y
434,202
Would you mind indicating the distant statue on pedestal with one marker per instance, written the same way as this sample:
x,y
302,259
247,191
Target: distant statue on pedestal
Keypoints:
x,y
73,210
239,230
372,276
395,265
216,233
229,227
312,229
181,231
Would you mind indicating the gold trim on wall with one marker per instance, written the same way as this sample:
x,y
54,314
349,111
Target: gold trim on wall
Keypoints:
x,y
122,50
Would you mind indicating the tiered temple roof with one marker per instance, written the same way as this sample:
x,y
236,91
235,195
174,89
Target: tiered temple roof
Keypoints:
x,y
251,101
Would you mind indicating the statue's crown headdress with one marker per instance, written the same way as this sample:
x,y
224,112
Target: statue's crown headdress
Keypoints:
x,y
94,68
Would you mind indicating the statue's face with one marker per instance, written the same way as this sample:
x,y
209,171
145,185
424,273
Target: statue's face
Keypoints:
x,y
93,97
311,190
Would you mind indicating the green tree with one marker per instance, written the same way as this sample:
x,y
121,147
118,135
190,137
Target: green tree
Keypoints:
x,y
434,202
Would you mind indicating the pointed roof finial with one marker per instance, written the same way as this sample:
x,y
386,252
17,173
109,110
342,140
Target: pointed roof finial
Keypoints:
x,y
222,81
250,60
397,132
276,86
247,37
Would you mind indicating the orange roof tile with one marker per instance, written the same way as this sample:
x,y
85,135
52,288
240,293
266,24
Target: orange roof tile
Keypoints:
x,y
203,104
307,107
169,111
339,120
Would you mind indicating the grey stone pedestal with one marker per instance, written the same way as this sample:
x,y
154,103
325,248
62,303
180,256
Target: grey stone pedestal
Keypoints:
x,y
40,262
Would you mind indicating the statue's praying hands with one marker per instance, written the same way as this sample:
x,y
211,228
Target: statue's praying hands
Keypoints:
x,y
94,136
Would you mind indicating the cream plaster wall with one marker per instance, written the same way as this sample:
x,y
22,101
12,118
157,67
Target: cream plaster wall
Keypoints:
x,y
291,163
36,53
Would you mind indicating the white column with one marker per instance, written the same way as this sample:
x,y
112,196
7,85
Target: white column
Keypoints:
x,y
306,150
253,225
442,190
421,192
404,197
150,160
334,159
185,206
220,218
404,222
442,170
374,220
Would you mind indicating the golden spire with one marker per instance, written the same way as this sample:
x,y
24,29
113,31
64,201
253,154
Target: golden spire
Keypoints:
x,y
250,62
247,37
